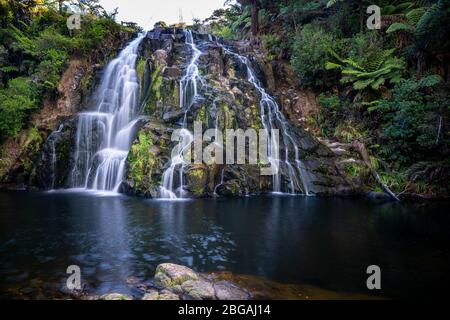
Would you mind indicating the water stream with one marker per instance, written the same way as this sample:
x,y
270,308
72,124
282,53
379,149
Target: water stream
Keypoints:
x,y
104,136
272,118
188,94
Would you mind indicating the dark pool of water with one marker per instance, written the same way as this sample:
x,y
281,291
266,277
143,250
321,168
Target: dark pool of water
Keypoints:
x,y
325,242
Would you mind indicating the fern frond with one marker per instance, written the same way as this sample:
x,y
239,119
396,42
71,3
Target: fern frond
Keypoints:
x,y
414,15
430,18
398,26
331,66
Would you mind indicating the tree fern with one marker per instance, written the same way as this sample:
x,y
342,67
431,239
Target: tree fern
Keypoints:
x,y
430,18
382,68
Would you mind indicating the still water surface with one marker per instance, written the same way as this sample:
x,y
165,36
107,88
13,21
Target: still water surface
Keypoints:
x,y
324,242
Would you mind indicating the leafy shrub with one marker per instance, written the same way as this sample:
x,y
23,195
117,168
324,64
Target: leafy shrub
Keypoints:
x,y
17,100
329,102
309,54
414,119
273,45
222,31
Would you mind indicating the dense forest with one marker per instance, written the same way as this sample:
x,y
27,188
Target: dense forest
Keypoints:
x,y
388,87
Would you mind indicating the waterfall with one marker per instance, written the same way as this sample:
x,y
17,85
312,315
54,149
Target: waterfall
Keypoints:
x,y
188,94
220,183
52,139
104,136
271,115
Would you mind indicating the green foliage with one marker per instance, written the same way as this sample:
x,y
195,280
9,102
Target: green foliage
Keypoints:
x,y
35,49
310,53
273,45
229,23
372,67
222,31
18,99
329,102
413,119
349,131
140,69
142,162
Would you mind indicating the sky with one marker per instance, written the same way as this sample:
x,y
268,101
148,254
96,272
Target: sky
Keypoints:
x,y
147,12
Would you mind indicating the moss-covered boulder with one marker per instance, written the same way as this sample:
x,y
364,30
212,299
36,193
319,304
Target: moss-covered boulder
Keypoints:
x,y
169,275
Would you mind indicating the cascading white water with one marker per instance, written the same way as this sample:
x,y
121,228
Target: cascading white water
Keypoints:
x,y
188,94
52,139
104,137
220,183
270,114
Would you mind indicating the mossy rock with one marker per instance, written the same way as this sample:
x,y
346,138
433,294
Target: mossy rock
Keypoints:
x,y
169,275
197,179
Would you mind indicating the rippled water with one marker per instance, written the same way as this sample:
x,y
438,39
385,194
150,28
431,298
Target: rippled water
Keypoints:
x,y
304,240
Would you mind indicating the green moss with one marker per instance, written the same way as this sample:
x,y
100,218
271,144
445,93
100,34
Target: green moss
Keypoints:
x,y
154,91
353,169
175,95
31,143
227,117
142,163
255,119
202,116
140,69
197,179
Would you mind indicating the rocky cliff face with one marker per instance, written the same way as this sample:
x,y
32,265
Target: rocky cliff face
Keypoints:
x,y
226,100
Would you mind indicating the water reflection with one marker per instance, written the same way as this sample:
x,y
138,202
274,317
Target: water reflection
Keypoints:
x,y
323,242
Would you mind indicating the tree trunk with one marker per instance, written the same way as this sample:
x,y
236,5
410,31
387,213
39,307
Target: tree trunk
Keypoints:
x,y
255,20
361,16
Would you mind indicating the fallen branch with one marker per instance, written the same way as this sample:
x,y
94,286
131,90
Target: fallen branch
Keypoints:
x,y
359,146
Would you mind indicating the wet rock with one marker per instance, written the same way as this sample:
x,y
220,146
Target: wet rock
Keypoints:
x,y
168,275
225,290
161,57
168,295
173,116
152,295
199,289
115,296
172,72
52,167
